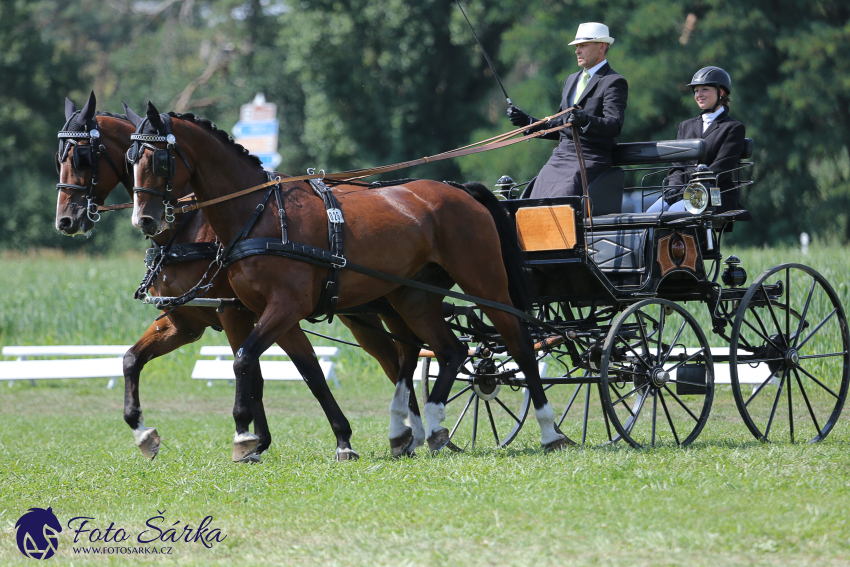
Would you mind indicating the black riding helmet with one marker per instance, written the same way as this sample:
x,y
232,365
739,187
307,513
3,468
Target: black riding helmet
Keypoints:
x,y
712,77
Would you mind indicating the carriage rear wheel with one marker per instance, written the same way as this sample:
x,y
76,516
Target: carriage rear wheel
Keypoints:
x,y
656,375
487,406
790,340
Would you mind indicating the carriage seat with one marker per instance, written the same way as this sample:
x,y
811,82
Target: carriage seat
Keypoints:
x,y
606,191
748,148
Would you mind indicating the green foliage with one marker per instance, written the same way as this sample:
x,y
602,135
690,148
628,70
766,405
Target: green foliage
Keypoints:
x,y
360,83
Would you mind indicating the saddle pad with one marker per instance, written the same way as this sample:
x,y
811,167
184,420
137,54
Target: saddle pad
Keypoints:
x,y
546,228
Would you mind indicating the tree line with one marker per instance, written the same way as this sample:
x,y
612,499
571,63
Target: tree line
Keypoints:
x,y
360,83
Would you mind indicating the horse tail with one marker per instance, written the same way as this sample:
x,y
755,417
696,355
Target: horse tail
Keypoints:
x,y
512,256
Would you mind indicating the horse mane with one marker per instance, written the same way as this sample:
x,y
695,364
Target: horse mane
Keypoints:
x,y
223,136
111,115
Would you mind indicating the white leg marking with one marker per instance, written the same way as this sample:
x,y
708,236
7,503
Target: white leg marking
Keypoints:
x,y
435,415
244,437
546,419
141,433
415,423
398,409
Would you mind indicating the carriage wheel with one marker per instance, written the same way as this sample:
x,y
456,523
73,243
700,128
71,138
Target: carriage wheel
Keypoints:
x,y
789,355
482,409
657,375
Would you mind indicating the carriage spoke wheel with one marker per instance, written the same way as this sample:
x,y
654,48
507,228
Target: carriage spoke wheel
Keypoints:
x,y
788,356
656,376
486,409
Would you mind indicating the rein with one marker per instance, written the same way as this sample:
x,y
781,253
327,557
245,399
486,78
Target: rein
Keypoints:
x,y
500,141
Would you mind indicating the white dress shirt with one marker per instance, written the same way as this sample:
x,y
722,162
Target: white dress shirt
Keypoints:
x,y
708,118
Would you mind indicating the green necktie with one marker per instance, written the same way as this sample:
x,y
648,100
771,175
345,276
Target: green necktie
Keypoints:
x,y
582,84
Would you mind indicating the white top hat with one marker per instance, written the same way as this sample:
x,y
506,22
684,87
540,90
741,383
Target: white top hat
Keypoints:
x,y
592,32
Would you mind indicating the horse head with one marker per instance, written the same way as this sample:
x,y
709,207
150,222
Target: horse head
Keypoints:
x,y
86,141
155,172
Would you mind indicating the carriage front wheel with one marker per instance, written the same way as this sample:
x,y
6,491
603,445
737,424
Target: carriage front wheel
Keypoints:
x,y
789,355
656,375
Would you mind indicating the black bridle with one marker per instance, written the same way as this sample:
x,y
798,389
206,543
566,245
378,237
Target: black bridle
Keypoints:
x,y
86,157
163,161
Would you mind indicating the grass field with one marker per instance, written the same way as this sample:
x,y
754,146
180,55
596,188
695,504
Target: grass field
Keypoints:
x,y
725,500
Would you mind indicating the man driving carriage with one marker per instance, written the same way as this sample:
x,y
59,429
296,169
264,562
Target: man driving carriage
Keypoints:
x,y
599,96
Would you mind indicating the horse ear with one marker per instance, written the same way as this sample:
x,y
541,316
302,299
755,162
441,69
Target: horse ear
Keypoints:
x,y
153,116
134,118
70,108
87,113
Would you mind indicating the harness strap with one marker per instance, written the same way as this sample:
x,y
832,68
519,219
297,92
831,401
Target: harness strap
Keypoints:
x,y
329,294
157,261
225,253
191,251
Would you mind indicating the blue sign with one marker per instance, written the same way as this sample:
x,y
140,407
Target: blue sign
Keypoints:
x,y
270,161
255,129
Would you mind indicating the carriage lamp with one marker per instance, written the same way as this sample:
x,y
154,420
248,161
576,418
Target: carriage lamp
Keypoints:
x,y
695,198
504,185
704,176
734,275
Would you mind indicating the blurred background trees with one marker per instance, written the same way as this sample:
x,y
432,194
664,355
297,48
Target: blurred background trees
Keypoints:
x,y
366,82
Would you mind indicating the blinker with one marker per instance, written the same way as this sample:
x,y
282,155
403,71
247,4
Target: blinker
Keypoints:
x,y
83,160
161,165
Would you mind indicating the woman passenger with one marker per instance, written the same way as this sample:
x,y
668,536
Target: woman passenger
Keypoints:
x,y
724,137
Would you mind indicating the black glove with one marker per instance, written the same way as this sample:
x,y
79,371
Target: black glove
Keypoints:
x,y
578,117
519,117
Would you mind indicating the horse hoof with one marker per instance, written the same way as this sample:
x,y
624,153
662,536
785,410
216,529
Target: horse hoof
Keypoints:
x,y
438,440
346,455
557,445
404,444
149,443
244,446
569,441
252,459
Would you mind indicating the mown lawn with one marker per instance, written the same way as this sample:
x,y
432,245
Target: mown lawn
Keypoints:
x,y
726,500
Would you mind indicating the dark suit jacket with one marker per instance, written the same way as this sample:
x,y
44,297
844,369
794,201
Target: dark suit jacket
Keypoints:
x,y
724,145
604,100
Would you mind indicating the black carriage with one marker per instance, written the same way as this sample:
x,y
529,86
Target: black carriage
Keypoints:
x,y
616,285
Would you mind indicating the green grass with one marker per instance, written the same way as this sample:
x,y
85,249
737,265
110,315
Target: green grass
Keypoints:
x,y
726,500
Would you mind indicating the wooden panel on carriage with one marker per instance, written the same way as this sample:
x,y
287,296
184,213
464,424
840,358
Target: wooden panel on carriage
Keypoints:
x,y
546,228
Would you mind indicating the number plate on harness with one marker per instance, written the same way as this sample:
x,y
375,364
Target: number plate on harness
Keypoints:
x,y
335,216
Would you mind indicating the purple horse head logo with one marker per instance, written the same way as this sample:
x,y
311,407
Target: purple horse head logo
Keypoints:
x,y
38,533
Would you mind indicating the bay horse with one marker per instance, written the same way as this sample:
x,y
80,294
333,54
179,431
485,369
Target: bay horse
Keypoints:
x,y
86,183
425,231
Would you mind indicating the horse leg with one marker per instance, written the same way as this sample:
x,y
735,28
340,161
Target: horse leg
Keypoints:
x,y
162,337
405,437
376,344
520,346
237,325
395,357
422,312
278,323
